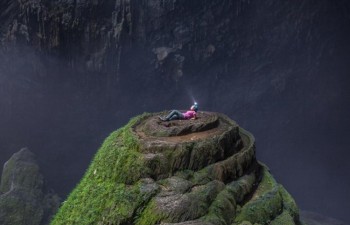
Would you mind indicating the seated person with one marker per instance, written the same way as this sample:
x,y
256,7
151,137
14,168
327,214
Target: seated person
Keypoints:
x,y
177,115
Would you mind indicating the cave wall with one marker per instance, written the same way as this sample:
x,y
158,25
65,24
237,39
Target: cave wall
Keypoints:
x,y
71,71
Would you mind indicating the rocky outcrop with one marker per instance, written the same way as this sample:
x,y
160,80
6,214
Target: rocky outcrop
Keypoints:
x,y
23,198
181,172
249,53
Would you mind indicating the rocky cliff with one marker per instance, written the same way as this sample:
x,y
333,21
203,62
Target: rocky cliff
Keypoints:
x,y
75,65
156,42
23,197
200,171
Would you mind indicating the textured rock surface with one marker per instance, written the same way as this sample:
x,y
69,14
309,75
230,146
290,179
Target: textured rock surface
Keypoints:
x,y
23,198
208,176
171,40
155,127
255,54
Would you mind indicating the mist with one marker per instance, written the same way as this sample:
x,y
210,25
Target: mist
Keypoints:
x,y
280,70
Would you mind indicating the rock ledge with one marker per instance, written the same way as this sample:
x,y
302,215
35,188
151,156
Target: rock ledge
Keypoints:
x,y
181,172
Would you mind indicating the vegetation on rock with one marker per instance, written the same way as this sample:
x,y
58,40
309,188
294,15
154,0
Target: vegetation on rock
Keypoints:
x,y
24,199
207,176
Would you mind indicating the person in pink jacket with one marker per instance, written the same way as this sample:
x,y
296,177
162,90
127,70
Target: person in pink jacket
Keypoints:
x,y
177,115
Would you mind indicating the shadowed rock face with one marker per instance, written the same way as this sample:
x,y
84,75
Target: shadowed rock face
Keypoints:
x,y
23,198
281,61
21,171
145,174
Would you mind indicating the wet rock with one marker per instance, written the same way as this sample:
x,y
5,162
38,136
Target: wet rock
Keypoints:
x,y
206,176
24,199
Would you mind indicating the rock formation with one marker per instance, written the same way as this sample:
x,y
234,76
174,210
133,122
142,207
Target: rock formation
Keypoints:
x,y
23,198
181,172
250,53
172,39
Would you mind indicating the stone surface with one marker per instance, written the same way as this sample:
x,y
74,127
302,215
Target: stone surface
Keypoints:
x,y
167,38
155,127
240,56
212,139
208,176
23,197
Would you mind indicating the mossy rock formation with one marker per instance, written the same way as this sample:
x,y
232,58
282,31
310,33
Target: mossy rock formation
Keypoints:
x,y
24,197
190,172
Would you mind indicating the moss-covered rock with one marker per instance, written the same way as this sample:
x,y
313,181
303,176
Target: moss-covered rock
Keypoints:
x,y
23,199
270,202
201,172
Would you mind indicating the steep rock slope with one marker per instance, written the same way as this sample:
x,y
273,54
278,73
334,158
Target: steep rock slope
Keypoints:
x,y
23,198
177,40
277,62
200,171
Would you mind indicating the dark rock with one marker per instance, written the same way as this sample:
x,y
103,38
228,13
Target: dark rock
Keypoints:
x,y
178,179
226,44
23,198
158,128
197,143
21,171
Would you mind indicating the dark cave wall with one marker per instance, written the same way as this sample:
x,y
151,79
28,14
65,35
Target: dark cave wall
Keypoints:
x,y
180,44
72,71
93,34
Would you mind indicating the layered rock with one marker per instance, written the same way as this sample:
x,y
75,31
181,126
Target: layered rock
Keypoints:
x,y
23,197
200,171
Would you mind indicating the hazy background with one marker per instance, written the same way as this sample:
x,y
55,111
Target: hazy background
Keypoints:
x,y
281,70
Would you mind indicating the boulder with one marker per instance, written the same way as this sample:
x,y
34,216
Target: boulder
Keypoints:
x,y
24,199
181,172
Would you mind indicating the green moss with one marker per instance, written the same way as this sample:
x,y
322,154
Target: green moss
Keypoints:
x,y
112,191
261,210
266,184
265,204
241,187
222,209
246,223
270,202
150,215
107,194
185,174
284,219
289,203
17,211
201,177
21,170
5,184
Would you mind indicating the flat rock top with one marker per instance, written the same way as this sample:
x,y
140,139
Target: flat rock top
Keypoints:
x,y
155,127
156,135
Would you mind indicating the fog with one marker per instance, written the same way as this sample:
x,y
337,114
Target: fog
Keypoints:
x,y
296,104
